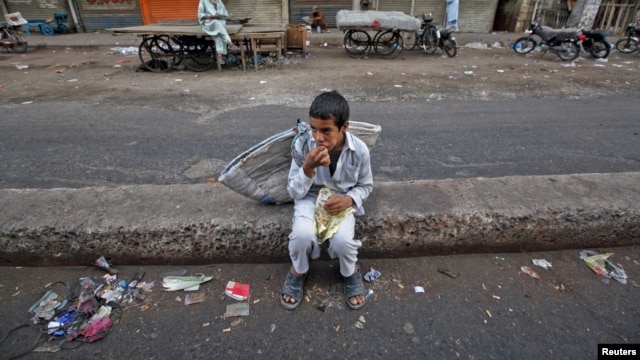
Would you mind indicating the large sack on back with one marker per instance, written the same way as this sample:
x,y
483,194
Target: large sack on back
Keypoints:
x,y
261,172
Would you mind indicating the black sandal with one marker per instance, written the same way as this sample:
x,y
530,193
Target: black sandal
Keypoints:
x,y
294,287
354,287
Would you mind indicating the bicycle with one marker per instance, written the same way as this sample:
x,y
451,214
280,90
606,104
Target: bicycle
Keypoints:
x,y
11,38
427,38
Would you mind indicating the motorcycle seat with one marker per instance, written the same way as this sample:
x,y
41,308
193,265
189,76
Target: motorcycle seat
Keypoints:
x,y
549,33
569,31
447,31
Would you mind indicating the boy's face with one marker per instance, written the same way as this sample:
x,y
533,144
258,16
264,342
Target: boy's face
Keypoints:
x,y
327,134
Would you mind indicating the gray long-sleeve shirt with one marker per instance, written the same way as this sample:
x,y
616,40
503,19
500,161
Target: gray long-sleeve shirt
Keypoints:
x,y
353,176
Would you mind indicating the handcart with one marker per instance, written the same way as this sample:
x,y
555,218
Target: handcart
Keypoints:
x,y
386,26
167,45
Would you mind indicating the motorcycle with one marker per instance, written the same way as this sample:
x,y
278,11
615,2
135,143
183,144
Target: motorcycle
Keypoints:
x,y
595,42
562,42
447,42
11,39
630,43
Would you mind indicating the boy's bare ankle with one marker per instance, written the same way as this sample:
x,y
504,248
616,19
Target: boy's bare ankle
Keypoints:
x,y
294,272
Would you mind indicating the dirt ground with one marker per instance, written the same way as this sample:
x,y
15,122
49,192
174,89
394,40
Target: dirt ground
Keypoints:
x,y
108,76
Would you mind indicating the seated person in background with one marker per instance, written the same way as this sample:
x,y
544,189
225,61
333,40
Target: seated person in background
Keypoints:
x,y
317,19
213,16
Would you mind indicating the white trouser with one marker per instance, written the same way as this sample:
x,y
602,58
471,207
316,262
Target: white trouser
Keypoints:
x,y
303,241
222,40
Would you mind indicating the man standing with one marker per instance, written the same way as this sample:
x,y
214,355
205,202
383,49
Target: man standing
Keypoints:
x,y
452,15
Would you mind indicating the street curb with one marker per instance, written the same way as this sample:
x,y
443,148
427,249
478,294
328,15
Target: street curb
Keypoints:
x,y
334,39
208,223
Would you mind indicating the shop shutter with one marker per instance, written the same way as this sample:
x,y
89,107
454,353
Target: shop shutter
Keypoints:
x,y
260,12
395,5
154,11
474,16
300,8
268,11
105,14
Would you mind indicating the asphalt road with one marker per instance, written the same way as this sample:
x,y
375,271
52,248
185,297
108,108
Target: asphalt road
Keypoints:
x,y
77,145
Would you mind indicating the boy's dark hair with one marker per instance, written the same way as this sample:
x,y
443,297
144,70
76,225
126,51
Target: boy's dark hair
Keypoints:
x,y
330,105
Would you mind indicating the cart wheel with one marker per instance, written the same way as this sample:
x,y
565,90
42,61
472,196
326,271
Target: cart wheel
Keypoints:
x,y
63,29
201,56
388,43
410,39
175,42
357,43
156,54
46,30
19,43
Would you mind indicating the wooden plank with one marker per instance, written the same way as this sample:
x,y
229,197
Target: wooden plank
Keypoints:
x,y
183,28
260,28
172,30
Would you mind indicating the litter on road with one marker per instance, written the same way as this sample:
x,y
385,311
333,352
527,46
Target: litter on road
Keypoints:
x,y
529,271
542,263
601,265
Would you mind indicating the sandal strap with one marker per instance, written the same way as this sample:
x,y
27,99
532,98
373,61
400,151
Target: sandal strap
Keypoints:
x,y
355,286
293,286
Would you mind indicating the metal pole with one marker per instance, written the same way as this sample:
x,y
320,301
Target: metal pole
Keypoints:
x,y
4,8
74,15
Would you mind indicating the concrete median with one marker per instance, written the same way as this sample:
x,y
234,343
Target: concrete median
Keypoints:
x,y
208,223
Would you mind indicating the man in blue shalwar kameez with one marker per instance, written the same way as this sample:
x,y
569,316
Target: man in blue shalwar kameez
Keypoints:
x,y
452,15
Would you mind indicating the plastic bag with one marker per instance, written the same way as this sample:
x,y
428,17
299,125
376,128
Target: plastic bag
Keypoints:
x,y
601,265
326,225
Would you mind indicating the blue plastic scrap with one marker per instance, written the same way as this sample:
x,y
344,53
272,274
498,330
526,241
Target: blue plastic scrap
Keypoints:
x,y
372,275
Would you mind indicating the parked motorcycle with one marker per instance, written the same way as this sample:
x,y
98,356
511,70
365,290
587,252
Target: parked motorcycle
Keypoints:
x,y
447,42
11,38
595,42
630,43
562,42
